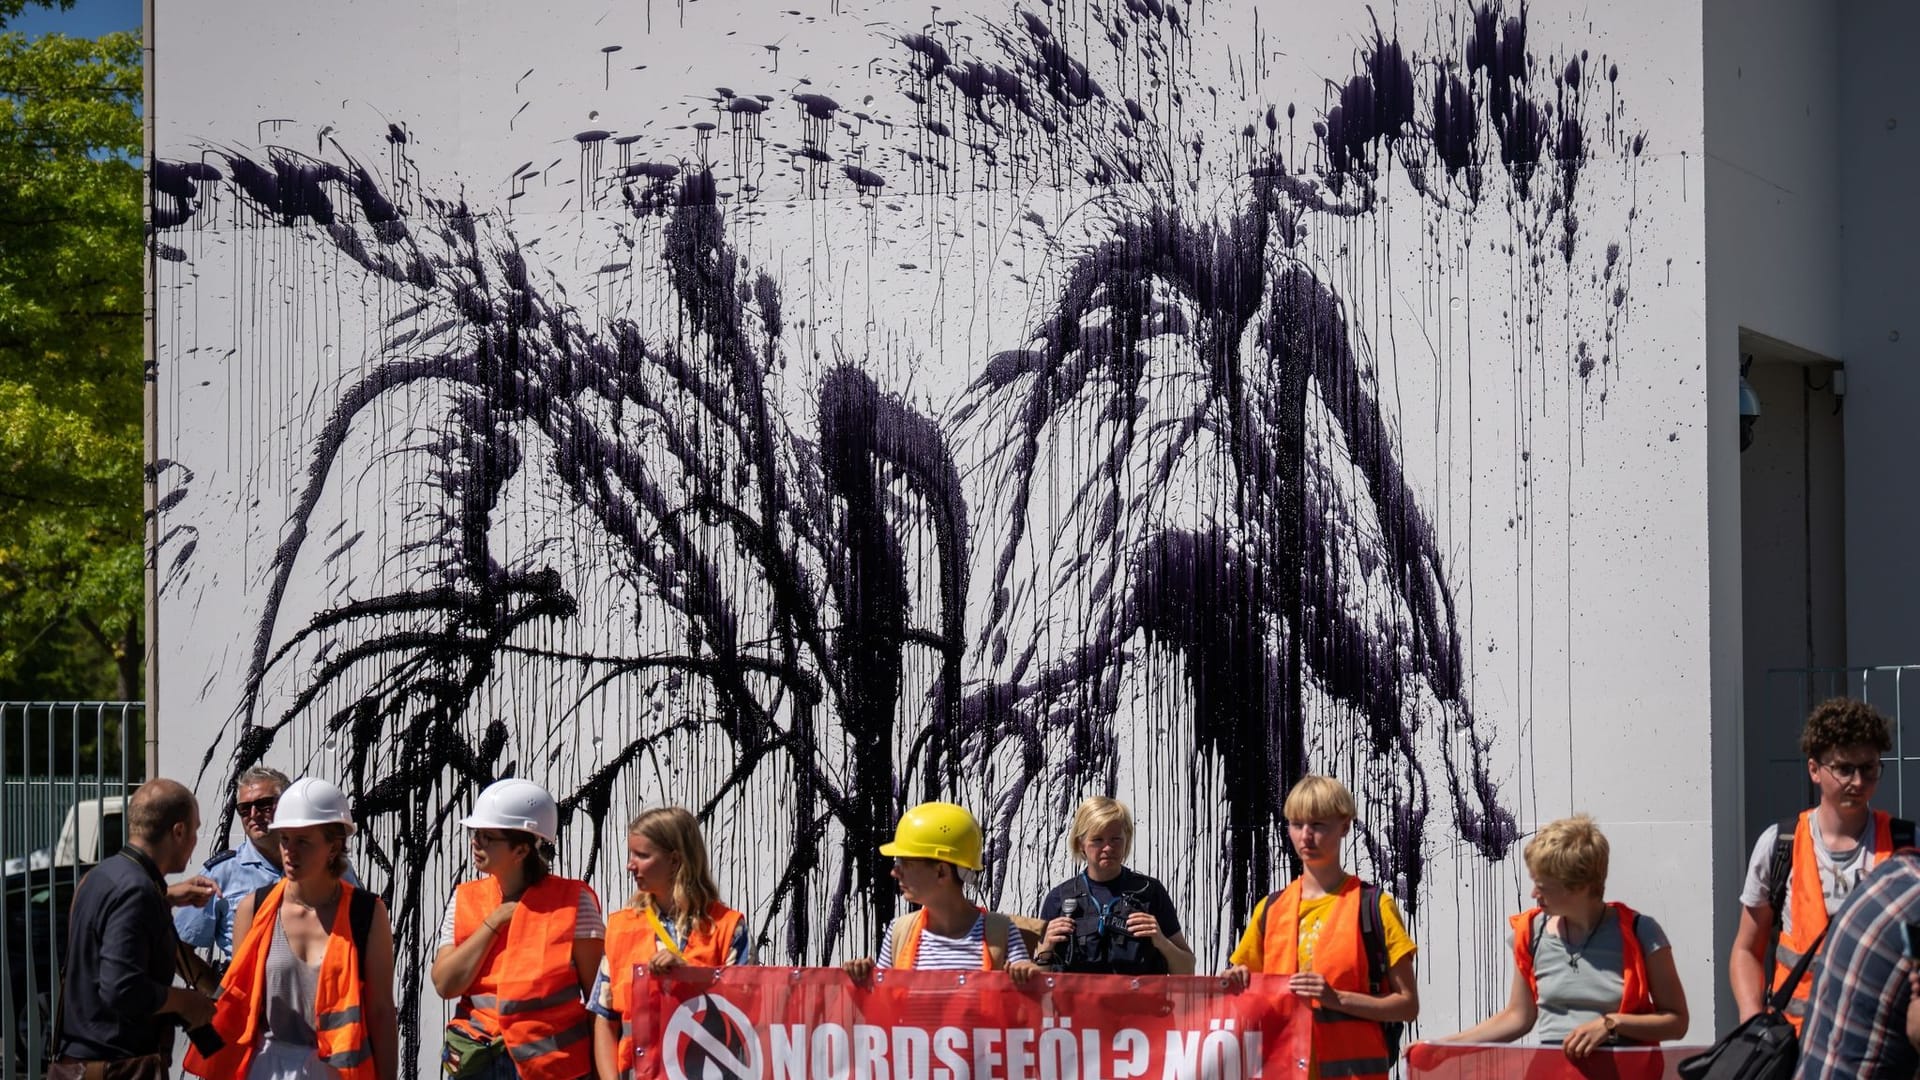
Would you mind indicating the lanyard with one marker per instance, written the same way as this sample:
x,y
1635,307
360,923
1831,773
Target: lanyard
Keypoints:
x,y
660,931
1087,883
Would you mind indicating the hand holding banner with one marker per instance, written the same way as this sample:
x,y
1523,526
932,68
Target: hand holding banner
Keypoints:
x,y
749,1023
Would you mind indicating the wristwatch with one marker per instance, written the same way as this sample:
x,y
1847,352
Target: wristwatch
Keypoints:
x,y
1613,1026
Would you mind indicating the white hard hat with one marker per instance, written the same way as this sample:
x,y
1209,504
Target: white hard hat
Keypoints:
x,y
312,801
518,804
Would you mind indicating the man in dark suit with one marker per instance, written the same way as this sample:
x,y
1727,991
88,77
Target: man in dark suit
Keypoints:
x,y
118,1006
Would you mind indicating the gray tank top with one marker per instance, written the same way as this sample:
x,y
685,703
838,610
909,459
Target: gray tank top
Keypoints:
x,y
290,988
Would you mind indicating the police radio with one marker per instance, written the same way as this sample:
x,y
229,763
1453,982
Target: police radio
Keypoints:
x,y
1063,954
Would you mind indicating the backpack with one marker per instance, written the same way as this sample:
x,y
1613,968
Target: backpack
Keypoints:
x,y
1373,939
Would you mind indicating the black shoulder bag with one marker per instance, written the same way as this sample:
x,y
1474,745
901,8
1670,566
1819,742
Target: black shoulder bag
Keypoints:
x,y
1765,1047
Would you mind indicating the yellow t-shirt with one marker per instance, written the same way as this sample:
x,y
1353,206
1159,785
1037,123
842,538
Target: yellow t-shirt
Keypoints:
x,y
1313,916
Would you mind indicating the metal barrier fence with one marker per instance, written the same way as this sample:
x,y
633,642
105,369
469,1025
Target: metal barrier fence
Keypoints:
x,y
43,825
1894,689
68,767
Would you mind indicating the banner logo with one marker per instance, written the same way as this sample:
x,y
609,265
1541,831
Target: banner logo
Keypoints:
x,y
709,1038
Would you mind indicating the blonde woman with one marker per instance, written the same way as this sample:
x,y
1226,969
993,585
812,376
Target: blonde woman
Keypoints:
x,y
1123,922
1340,942
1587,972
674,918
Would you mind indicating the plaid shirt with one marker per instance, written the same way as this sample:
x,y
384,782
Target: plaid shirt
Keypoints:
x,y
1857,1019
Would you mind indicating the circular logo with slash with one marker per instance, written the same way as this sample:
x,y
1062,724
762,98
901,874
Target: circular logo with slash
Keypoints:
x,y
709,1038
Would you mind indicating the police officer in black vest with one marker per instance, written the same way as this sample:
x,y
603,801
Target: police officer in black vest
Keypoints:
x,y
1107,919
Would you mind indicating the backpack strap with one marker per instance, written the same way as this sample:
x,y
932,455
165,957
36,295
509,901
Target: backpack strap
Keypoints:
x,y
897,935
1902,831
1266,906
361,905
1780,869
998,929
1373,937
1779,880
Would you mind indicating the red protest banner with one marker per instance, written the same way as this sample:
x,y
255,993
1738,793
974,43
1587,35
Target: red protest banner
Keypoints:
x,y
749,1023
1500,1061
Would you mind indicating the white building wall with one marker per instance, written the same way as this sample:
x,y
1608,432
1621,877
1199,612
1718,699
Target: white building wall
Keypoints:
x,y
1549,415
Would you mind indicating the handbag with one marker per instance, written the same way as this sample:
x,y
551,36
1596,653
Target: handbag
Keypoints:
x,y
1765,1047
467,1051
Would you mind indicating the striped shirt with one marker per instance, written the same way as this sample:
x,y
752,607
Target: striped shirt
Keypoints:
x,y
939,953
587,921
1857,1017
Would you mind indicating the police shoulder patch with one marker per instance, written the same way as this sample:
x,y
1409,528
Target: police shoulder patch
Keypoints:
x,y
220,857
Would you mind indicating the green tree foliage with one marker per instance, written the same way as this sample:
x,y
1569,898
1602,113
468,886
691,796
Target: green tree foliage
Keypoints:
x,y
70,365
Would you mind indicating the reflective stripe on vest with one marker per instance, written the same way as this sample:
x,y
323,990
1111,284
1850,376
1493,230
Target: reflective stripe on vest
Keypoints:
x,y
546,1046
1806,914
1636,996
526,988
633,937
1343,1045
340,1036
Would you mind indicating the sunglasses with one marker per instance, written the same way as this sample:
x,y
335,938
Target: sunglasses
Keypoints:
x,y
258,806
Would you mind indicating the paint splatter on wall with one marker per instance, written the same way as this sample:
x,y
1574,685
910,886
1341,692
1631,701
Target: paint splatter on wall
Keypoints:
x,y
1004,405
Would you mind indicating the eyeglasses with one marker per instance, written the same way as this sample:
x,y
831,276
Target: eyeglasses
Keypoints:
x,y
483,838
1846,772
258,806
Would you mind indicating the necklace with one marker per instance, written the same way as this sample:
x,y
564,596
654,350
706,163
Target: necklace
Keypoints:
x,y
1573,954
300,902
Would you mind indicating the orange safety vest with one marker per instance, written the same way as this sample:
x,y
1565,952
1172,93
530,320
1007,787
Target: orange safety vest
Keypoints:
x,y
1806,914
338,1027
1635,996
526,989
633,937
1343,1045
993,940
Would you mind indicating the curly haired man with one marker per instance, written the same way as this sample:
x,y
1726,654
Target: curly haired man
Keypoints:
x,y
1803,868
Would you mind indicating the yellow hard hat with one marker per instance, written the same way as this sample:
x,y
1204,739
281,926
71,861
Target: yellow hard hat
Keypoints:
x,y
937,830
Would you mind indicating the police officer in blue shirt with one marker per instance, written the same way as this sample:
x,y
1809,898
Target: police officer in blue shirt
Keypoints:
x,y
240,871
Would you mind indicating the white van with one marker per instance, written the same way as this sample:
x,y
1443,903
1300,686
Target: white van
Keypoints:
x,y
95,829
